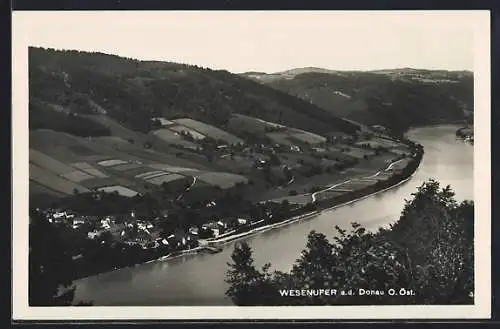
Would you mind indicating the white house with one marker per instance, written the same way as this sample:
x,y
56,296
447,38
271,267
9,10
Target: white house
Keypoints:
x,y
93,234
77,222
59,214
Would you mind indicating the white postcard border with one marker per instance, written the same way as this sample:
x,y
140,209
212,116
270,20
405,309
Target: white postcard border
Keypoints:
x,y
22,22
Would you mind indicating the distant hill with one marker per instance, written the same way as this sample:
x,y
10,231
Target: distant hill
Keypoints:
x,y
107,123
395,98
132,92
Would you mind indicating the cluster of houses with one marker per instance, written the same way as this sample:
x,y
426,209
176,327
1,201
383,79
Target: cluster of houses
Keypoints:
x,y
147,234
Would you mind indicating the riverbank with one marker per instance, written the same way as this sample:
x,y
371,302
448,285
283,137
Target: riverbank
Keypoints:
x,y
310,210
198,279
406,175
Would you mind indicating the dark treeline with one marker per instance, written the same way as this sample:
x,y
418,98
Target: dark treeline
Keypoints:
x,y
398,103
41,117
132,92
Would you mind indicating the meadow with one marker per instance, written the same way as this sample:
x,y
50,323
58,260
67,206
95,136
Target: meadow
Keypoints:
x,y
208,130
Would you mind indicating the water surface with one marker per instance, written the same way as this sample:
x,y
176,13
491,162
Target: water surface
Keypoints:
x,y
198,280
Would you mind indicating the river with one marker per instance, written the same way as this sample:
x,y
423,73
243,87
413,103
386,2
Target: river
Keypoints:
x,y
198,280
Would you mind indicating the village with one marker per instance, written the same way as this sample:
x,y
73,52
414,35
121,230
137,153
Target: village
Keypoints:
x,y
145,233
112,231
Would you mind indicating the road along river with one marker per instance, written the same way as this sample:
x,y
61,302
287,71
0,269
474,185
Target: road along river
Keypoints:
x,y
198,280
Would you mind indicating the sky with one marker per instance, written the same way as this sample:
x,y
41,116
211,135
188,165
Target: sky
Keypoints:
x,y
263,41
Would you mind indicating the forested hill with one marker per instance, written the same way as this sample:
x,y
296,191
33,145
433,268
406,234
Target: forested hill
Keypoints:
x,y
64,84
397,98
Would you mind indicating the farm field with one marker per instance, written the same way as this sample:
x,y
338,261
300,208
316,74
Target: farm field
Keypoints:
x,y
96,183
164,122
179,129
383,175
341,189
104,149
386,142
355,184
149,173
400,165
116,128
96,157
281,137
120,189
43,137
300,199
327,194
379,162
111,162
306,137
36,188
132,172
64,147
83,166
380,142
150,176
165,178
208,130
127,166
49,163
240,122
223,180
134,153
328,162
336,154
58,168
54,182
358,152
111,141
237,165
172,137
294,159
400,151
303,185
173,169
61,153
77,176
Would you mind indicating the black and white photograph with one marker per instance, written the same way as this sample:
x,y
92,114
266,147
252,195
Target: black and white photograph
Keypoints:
x,y
251,164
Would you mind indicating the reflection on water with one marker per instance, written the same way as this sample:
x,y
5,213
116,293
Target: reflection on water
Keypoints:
x,y
199,279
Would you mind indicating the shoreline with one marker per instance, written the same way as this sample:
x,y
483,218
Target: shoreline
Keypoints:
x,y
289,221
244,235
240,236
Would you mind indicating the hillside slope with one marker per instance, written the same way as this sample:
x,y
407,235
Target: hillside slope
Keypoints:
x,y
133,92
397,99
184,134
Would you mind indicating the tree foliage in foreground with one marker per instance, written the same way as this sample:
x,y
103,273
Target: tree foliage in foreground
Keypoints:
x,y
50,265
429,250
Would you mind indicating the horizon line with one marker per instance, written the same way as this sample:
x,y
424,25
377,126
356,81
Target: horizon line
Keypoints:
x,y
250,70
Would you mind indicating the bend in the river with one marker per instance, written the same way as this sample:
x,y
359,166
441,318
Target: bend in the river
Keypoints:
x,y
198,280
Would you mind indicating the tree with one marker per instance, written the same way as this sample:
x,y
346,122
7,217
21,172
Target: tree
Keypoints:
x,y
247,285
51,270
165,187
316,265
429,251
